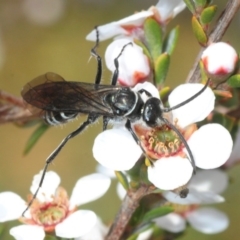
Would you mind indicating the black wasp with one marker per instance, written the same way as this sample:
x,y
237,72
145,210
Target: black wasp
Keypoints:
x,y
59,101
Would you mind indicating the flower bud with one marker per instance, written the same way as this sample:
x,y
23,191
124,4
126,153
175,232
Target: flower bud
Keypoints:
x,y
219,61
133,64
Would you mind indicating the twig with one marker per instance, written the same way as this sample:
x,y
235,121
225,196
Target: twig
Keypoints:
x,y
217,33
13,109
129,205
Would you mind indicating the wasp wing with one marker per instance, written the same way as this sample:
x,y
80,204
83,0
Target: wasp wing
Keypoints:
x,y
50,92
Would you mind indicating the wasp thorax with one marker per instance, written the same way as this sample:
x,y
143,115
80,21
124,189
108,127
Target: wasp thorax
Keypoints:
x,y
162,141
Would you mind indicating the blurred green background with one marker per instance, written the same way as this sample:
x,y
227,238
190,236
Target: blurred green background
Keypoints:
x,y
37,36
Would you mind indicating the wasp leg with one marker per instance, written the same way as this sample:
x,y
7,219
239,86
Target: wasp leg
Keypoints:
x,y
129,128
146,92
91,119
98,58
116,64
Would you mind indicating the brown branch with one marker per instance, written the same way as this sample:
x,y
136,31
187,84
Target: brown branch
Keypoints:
x,y
7,97
216,35
129,205
13,109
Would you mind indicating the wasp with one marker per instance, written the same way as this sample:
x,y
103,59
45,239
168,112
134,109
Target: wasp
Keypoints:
x,y
58,101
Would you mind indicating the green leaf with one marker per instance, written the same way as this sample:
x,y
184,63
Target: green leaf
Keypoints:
x,y
199,32
122,179
153,36
171,41
144,48
35,137
190,6
49,237
224,120
200,3
208,14
161,67
164,92
234,81
157,212
140,230
137,216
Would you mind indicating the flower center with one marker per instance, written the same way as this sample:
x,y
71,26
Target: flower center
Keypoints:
x,y
162,141
184,210
50,214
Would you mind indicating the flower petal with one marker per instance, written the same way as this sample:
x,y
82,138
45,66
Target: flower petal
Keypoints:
x,y
208,220
106,31
220,59
89,188
133,63
49,186
11,206
148,87
116,149
117,28
169,8
197,109
214,180
145,235
211,146
77,224
98,232
171,222
234,157
105,171
136,19
194,197
27,232
170,173
121,191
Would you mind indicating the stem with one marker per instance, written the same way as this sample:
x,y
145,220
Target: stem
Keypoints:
x,y
13,109
11,99
129,205
217,33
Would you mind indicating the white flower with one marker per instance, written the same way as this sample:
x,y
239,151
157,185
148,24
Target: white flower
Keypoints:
x,y
210,145
53,211
219,60
203,189
162,12
133,63
234,158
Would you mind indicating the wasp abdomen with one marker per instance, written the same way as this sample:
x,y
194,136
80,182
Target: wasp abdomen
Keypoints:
x,y
56,118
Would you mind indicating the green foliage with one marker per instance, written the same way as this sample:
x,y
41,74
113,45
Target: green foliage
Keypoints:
x,y
234,81
199,32
122,179
208,14
153,37
200,3
170,41
140,230
35,137
157,212
161,68
190,5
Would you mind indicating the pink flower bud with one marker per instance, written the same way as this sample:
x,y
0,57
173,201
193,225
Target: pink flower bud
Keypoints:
x,y
219,60
133,64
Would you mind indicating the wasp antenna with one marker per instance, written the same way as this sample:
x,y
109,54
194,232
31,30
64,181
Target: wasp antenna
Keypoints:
x,y
189,99
183,141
